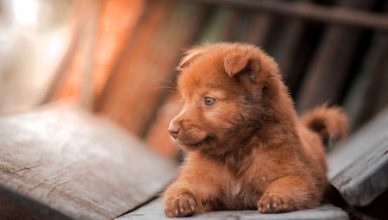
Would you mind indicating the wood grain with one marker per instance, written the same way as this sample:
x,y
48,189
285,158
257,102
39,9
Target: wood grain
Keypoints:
x,y
358,167
154,210
77,164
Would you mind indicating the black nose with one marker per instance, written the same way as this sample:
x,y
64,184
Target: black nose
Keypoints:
x,y
173,129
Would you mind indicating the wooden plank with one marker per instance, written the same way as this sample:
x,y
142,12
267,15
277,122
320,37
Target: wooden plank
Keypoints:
x,y
288,46
232,23
135,89
118,19
211,33
240,26
77,24
154,210
282,48
299,51
369,86
80,165
86,68
330,68
259,29
298,9
376,91
327,74
16,206
358,167
75,82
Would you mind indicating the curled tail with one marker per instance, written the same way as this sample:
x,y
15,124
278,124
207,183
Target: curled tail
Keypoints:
x,y
330,123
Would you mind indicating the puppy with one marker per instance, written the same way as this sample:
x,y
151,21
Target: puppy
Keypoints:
x,y
246,147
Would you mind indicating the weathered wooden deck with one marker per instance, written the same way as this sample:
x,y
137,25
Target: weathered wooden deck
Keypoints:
x,y
74,164
154,210
60,162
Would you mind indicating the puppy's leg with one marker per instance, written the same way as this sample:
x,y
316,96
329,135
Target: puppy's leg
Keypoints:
x,y
189,194
288,194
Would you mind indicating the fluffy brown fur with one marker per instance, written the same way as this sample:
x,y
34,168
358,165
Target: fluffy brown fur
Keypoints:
x,y
246,148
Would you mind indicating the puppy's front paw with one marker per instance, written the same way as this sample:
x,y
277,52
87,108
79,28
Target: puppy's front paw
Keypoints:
x,y
180,205
275,203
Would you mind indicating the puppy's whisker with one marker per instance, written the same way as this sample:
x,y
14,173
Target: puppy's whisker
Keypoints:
x,y
164,84
163,80
166,87
171,89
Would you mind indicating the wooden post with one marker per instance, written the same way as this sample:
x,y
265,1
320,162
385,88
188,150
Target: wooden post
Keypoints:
x,y
136,86
328,72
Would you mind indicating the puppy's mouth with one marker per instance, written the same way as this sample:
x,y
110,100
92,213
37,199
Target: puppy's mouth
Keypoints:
x,y
194,144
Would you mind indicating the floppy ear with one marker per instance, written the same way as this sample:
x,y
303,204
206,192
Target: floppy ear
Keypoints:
x,y
241,65
235,63
190,55
244,67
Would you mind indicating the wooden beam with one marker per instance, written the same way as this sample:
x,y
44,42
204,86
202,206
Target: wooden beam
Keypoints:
x,y
67,162
358,167
288,46
137,83
333,15
17,206
369,85
376,92
331,66
73,76
118,21
259,29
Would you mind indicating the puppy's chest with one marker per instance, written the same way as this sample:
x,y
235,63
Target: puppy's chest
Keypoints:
x,y
247,185
247,182
240,195
249,178
245,190
235,189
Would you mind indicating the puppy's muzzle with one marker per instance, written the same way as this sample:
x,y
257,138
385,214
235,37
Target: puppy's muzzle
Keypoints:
x,y
174,129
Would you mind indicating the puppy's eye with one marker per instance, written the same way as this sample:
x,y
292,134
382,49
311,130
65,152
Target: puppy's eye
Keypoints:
x,y
209,101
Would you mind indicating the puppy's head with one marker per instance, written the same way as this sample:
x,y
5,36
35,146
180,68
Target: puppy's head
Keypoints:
x,y
224,88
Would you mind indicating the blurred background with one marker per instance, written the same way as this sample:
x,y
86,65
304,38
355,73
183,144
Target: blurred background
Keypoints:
x,y
117,58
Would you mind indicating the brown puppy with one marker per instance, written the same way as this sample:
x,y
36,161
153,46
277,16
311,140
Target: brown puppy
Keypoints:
x,y
246,147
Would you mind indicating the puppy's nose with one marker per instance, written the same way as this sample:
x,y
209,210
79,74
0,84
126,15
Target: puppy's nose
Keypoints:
x,y
173,129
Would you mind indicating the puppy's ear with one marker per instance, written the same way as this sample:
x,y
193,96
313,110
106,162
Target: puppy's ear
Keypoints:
x,y
241,65
244,67
235,63
190,55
